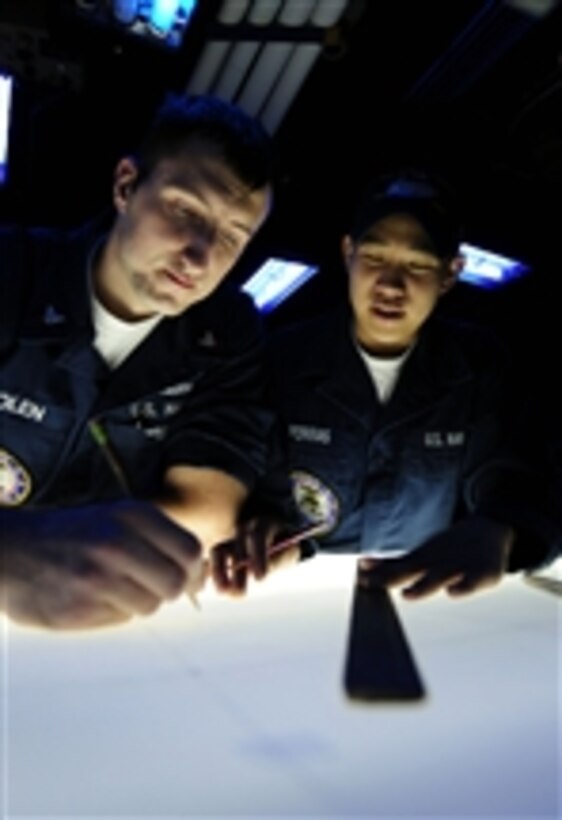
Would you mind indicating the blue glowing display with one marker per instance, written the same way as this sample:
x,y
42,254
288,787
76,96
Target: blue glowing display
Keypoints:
x,y
489,270
275,280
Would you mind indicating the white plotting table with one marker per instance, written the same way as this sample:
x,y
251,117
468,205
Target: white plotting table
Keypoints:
x,y
239,710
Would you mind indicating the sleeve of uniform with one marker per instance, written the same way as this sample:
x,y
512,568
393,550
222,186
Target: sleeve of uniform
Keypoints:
x,y
500,480
226,425
12,282
273,495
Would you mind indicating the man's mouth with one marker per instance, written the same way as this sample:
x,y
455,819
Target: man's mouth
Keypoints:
x,y
182,280
387,313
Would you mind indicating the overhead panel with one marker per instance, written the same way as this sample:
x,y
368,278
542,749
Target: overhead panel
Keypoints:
x,y
261,51
235,68
268,69
298,66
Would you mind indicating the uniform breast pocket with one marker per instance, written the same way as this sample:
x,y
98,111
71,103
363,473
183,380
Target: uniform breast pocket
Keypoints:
x,y
327,478
138,451
30,451
435,455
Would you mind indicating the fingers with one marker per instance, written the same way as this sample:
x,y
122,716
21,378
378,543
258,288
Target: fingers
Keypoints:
x,y
177,543
86,615
472,582
142,566
430,583
252,552
257,537
70,612
168,548
387,572
409,572
229,568
95,598
124,595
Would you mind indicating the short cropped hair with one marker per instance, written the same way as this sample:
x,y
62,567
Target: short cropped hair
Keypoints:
x,y
242,141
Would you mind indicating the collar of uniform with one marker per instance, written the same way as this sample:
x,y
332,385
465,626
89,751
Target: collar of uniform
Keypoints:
x,y
59,307
74,271
323,354
437,365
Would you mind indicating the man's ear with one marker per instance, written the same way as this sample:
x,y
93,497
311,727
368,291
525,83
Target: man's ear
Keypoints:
x,y
348,250
453,270
124,178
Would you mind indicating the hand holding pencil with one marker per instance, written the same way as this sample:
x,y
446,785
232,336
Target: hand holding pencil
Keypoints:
x,y
261,546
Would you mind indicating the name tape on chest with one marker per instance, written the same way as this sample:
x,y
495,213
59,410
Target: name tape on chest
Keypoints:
x,y
439,439
311,434
22,406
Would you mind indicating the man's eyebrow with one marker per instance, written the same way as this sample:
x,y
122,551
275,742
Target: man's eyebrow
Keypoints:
x,y
179,190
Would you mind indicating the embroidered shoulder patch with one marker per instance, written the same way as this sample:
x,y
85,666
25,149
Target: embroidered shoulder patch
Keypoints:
x,y
316,501
15,481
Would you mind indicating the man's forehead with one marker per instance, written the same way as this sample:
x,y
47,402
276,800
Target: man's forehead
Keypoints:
x,y
399,227
198,171
211,181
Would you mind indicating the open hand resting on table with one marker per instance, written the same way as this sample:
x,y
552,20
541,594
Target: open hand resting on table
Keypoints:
x,y
468,556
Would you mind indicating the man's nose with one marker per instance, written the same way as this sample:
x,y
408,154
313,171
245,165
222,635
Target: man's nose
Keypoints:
x,y
198,244
391,276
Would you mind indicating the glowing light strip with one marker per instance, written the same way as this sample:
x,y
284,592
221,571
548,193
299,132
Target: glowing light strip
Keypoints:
x,y
490,270
5,106
275,280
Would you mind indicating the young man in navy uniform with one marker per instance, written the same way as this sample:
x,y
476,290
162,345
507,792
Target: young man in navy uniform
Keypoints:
x,y
131,422
394,424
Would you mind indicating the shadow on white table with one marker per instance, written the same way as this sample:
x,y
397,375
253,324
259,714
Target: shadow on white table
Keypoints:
x,y
239,710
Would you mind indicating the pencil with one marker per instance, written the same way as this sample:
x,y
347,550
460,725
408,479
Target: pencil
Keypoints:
x,y
99,434
291,541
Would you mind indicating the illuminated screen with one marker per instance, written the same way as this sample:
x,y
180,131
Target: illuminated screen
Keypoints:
x,y
275,280
5,104
486,269
159,21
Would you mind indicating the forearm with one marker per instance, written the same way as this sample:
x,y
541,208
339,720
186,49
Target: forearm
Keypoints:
x,y
207,502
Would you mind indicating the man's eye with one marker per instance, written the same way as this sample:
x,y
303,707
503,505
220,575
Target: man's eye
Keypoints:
x,y
421,268
373,261
178,209
182,211
229,242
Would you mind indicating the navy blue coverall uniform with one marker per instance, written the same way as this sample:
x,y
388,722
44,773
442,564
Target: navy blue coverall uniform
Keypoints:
x,y
190,393
389,476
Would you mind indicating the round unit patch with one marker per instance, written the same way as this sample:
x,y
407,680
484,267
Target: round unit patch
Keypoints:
x,y
317,502
15,481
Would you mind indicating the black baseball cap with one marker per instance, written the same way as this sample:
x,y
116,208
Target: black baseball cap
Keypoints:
x,y
425,196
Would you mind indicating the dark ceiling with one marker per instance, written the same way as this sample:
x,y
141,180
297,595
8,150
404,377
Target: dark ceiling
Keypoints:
x,y
473,88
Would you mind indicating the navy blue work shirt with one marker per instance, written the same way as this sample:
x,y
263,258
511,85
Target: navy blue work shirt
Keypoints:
x,y
189,394
389,476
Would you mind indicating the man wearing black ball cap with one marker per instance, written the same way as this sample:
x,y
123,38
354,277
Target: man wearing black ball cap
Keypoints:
x,y
396,424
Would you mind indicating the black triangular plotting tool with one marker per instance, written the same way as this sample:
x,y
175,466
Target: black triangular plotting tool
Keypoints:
x,y
379,665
